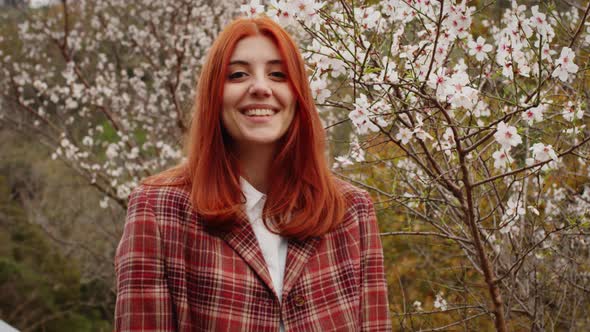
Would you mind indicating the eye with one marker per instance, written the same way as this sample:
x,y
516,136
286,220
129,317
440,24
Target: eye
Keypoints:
x,y
236,75
279,75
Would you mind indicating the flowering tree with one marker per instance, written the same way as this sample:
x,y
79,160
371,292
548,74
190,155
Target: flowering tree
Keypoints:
x,y
470,129
107,84
475,130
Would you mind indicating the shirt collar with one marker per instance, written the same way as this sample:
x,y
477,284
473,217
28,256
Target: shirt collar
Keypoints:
x,y
253,196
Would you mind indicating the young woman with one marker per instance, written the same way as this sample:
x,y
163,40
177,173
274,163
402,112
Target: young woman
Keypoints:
x,y
252,232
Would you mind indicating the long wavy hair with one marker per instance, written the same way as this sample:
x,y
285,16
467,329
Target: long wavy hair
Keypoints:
x,y
304,199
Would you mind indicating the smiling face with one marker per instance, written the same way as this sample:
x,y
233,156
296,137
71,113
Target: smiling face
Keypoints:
x,y
258,104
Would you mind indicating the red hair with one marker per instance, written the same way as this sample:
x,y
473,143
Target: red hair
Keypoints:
x,y
303,200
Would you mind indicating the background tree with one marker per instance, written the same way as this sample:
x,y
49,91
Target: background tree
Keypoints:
x,y
471,133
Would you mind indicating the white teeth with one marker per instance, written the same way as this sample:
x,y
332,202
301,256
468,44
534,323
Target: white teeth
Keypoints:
x,y
259,112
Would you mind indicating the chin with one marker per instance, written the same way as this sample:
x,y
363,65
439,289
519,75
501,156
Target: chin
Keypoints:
x,y
263,140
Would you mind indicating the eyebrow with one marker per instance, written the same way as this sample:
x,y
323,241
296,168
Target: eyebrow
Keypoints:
x,y
246,63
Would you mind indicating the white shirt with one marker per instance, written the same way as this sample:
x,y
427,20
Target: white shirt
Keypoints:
x,y
273,246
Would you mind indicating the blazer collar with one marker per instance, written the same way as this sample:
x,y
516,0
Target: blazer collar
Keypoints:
x,y
243,241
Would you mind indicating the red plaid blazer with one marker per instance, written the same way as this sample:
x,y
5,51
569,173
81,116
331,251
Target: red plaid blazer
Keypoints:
x,y
174,275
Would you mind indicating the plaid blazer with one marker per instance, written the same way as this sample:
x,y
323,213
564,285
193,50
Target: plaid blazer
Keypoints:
x,y
174,275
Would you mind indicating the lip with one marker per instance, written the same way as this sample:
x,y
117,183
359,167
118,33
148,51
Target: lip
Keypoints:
x,y
258,119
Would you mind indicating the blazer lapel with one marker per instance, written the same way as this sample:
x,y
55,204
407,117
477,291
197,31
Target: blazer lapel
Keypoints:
x,y
243,241
298,253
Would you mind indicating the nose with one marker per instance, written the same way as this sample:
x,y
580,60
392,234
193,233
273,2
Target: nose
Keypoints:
x,y
260,88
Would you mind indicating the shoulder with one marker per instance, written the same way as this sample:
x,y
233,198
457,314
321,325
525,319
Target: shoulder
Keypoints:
x,y
159,198
358,204
353,195
360,209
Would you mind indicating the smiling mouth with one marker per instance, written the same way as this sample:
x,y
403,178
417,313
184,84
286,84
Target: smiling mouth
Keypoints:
x,y
259,112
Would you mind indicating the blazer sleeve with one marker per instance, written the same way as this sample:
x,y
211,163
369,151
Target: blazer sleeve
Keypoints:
x,y
374,301
143,299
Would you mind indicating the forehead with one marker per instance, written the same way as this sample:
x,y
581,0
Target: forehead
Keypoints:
x,y
257,48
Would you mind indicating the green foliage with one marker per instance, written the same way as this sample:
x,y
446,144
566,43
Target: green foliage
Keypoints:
x,y
41,288
109,134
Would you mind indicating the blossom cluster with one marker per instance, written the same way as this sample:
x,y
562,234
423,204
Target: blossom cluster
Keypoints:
x,y
123,78
441,96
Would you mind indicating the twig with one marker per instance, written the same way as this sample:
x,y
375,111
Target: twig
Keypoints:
x,y
442,328
445,236
580,26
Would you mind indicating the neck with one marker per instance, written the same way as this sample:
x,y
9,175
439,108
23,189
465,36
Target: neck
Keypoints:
x,y
255,161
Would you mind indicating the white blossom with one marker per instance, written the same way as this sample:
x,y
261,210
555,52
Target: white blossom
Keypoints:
x,y
390,75
104,203
507,136
513,211
439,302
564,66
534,114
123,191
342,161
542,152
421,134
112,151
282,11
319,90
360,116
87,140
356,151
367,17
479,48
438,81
572,111
417,305
252,9
404,135
539,21
502,159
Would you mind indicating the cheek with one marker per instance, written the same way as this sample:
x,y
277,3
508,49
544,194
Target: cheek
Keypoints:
x,y
228,122
286,97
292,106
288,102
228,119
291,116
229,97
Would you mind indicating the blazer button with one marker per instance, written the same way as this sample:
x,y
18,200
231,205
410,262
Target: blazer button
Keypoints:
x,y
299,300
